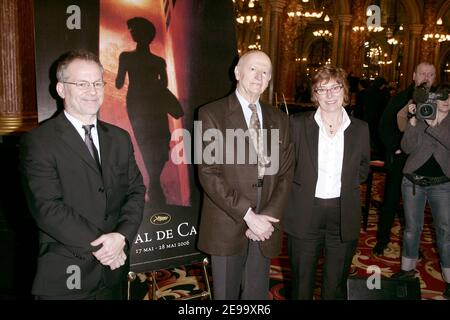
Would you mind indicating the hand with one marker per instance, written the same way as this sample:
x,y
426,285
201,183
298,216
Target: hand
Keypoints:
x,y
251,235
412,111
119,261
260,224
434,122
111,253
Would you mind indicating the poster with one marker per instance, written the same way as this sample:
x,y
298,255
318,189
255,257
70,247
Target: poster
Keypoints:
x,y
162,60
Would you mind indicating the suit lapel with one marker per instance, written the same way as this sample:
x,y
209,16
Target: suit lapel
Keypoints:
x,y
73,140
268,124
350,143
235,114
312,138
105,140
237,119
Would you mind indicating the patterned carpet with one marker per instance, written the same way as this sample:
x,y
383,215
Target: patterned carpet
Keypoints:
x,y
186,281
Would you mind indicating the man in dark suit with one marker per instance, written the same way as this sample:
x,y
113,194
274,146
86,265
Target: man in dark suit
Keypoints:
x,y
244,200
87,197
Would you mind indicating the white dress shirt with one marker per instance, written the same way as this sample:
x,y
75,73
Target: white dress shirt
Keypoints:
x,y
331,155
248,114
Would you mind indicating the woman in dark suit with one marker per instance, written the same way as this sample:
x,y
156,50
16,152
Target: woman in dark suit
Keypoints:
x,y
332,152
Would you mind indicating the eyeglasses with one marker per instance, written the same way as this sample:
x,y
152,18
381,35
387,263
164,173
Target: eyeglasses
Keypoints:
x,y
333,90
86,85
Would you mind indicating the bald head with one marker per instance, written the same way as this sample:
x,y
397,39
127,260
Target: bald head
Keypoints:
x,y
425,73
253,73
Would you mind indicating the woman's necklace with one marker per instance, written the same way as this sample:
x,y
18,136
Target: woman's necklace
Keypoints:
x,y
332,128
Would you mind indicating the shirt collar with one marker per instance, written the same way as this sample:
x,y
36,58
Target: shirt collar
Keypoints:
x,y
345,119
244,102
77,123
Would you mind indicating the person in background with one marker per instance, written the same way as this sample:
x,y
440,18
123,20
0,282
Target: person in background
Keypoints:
x,y
358,112
243,203
84,190
332,155
375,101
427,179
390,136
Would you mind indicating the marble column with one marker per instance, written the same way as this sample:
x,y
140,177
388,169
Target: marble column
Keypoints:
x,y
18,112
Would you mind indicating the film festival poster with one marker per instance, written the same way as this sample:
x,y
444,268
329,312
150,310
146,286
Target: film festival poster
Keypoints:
x,y
162,59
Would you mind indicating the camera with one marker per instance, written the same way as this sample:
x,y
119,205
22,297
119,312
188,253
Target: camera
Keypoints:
x,y
426,105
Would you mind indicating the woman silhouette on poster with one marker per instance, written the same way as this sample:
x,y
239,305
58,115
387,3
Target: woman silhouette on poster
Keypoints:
x,y
149,101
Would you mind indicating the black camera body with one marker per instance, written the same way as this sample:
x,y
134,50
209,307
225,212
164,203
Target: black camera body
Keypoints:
x,y
426,102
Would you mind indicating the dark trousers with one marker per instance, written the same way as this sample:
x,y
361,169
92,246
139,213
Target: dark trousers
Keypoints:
x,y
242,276
391,199
323,237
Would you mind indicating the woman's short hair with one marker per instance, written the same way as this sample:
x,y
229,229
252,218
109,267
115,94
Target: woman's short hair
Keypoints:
x,y
327,73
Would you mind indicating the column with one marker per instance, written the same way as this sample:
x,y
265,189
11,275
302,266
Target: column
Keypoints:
x,y
427,48
290,31
18,111
411,53
357,38
265,27
276,13
344,34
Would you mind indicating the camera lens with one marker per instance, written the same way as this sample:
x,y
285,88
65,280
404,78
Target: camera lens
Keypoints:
x,y
426,110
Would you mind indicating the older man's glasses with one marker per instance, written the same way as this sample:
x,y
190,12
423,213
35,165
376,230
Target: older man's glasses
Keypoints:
x,y
333,90
86,85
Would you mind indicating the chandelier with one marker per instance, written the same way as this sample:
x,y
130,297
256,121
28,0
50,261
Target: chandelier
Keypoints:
x,y
439,37
370,28
322,33
247,11
249,19
297,9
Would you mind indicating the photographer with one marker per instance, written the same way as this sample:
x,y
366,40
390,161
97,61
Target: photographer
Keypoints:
x,y
391,135
426,178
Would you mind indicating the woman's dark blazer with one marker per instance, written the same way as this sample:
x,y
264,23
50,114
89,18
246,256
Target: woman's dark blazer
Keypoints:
x,y
355,168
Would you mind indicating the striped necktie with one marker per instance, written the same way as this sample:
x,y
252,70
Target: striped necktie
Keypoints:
x,y
256,136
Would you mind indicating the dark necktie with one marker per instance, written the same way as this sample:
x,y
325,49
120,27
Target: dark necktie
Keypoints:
x,y
255,134
90,144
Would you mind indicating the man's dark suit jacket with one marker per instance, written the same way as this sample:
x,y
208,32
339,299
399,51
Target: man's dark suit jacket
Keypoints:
x,y
73,203
230,189
389,133
355,168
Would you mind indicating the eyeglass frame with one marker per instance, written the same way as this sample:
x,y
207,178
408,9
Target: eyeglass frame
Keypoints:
x,y
326,90
79,84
